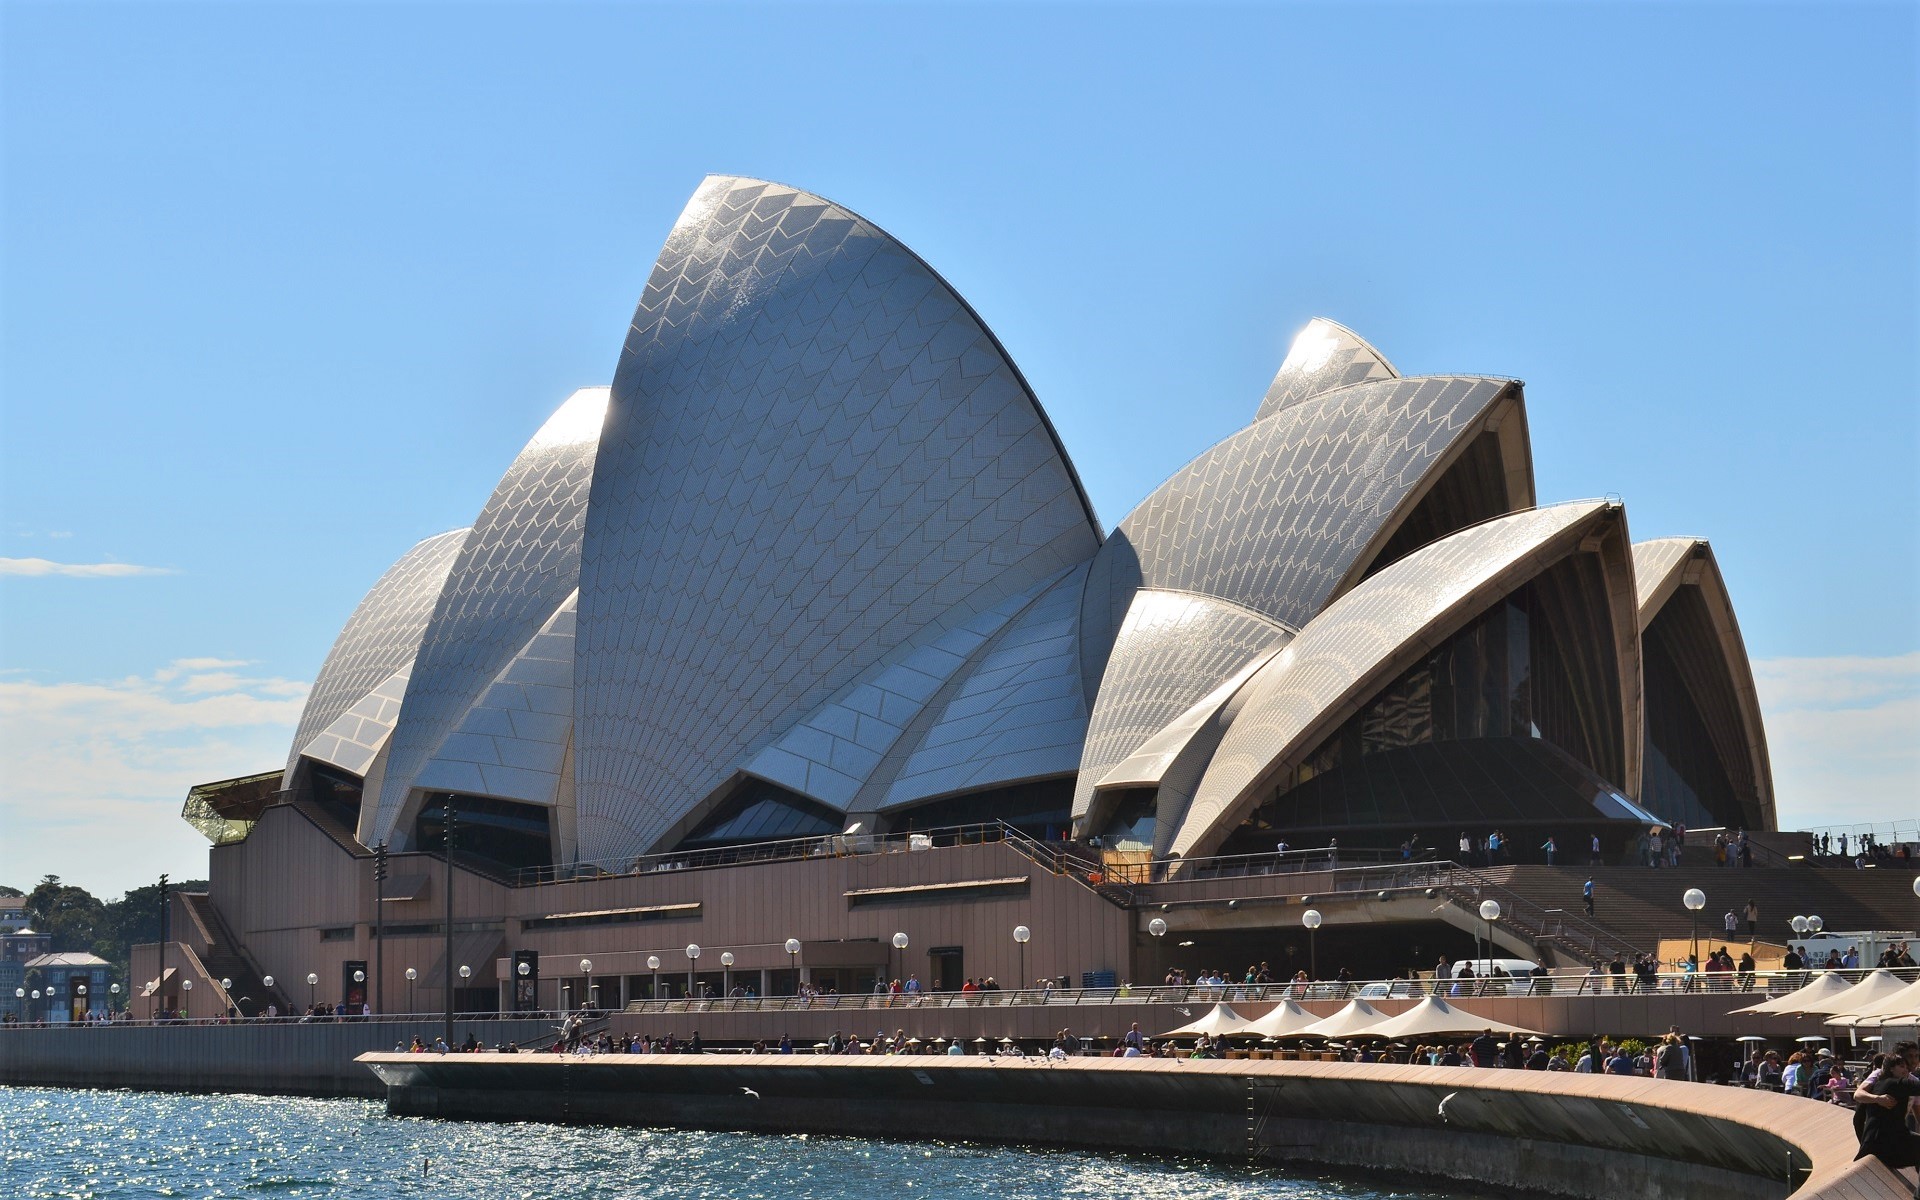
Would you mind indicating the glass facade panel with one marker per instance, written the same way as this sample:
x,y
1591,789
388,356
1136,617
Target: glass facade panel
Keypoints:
x,y
499,833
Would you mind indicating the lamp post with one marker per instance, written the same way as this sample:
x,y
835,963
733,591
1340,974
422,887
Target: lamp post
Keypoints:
x,y
693,956
449,825
1021,936
380,869
726,972
523,970
186,999
653,964
793,962
267,982
313,989
900,944
466,973
1489,913
586,969
412,975
1312,920
20,996
80,990
1695,900
1815,925
36,1000
113,998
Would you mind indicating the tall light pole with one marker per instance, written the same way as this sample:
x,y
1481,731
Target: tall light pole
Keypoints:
x,y
1312,920
449,823
793,962
160,990
693,956
313,990
411,976
900,944
1021,936
523,971
80,990
653,964
380,927
267,982
1695,900
1489,913
726,972
186,999
113,998
586,968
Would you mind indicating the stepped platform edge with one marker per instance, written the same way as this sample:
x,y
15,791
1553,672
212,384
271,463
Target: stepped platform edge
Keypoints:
x,y
1531,1132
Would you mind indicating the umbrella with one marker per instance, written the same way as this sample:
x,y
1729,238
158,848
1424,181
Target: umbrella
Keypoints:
x,y
1812,1037
1357,1019
1880,985
1286,1019
1903,1003
1433,1016
1751,1037
1222,1019
1824,986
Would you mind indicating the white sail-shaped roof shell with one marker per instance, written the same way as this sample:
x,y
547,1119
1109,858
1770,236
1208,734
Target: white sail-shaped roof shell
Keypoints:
x,y
518,565
379,638
815,452
1369,636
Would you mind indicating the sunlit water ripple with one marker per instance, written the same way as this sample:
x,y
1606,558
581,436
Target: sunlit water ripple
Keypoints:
x,y
60,1144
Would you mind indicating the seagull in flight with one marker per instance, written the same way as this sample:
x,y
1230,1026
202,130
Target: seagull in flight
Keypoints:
x,y
1444,1101
749,1091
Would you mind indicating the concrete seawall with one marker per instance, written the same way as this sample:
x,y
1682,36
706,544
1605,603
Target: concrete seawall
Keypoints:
x,y
1554,1134
283,1059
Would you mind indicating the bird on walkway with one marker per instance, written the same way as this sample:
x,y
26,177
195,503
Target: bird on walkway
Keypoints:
x,y
1444,1101
749,1091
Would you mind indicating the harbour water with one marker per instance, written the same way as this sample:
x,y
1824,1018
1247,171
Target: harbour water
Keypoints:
x,y
64,1144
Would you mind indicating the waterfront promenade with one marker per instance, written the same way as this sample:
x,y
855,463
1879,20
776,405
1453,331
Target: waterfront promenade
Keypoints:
x,y
1558,1134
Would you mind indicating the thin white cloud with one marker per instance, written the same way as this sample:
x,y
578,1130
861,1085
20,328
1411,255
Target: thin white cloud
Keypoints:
x,y
46,566
96,771
1844,734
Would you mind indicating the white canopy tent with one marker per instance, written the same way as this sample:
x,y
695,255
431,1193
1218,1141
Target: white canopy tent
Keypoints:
x,y
1357,1019
1222,1019
1902,1004
1433,1017
1286,1019
1823,987
1880,985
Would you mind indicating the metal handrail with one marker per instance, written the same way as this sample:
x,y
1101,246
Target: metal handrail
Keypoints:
x,y
835,845
1758,984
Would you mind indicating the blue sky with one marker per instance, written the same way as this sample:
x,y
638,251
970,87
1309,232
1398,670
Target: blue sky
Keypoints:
x,y
286,286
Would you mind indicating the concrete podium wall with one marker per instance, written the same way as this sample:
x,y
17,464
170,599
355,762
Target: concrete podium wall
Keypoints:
x,y
1532,1132
288,1059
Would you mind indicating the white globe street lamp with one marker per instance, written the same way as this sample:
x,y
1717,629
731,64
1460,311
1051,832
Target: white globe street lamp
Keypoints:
x,y
1695,900
1815,924
1312,920
653,964
186,999
793,962
726,972
693,956
1489,913
1021,936
1798,925
900,944
411,976
586,969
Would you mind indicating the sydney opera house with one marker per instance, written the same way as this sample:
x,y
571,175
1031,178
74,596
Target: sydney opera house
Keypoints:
x,y
816,575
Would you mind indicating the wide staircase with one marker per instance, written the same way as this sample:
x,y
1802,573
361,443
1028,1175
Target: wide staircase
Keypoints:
x,y
1641,905
224,959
